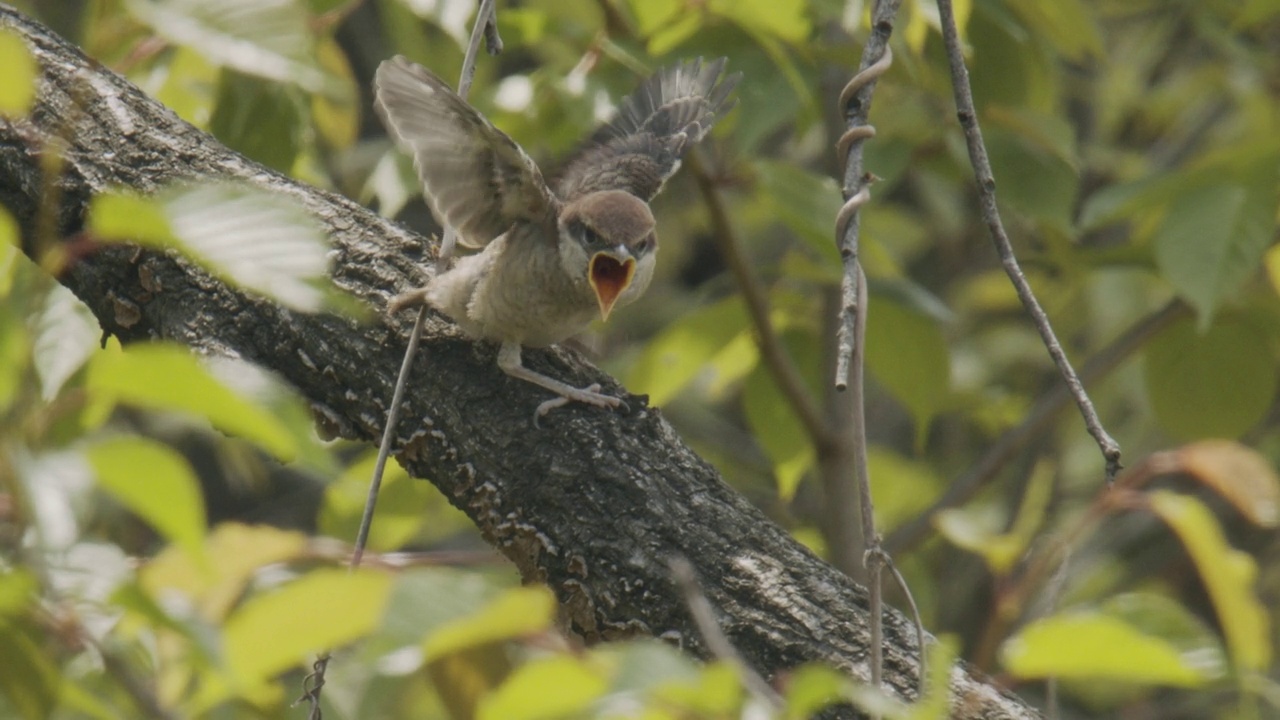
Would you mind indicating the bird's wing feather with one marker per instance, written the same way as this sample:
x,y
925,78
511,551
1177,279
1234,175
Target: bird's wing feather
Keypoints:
x,y
477,179
655,126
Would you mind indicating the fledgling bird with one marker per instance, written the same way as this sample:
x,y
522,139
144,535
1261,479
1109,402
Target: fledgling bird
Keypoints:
x,y
550,257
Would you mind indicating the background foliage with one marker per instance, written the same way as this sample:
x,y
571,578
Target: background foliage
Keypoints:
x,y
152,565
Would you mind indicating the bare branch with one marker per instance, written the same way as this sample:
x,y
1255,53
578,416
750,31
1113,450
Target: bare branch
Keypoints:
x,y
991,214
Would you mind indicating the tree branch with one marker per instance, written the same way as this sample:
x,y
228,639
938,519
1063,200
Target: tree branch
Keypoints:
x,y
595,504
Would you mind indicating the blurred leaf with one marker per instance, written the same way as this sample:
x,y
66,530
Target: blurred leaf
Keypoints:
x,y
1067,24
337,119
1092,645
235,552
1218,383
814,687
9,252
189,86
1228,575
525,696
28,680
263,241
18,83
1241,475
283,628
259,119
715,691
157,485
464,678
806,202
974,531
267,38
783,19
675,357
166,377
907,353
1165,618
516,613
901,487
18,590
402,505
773,420
1214,237
1031,180
642,664
66,334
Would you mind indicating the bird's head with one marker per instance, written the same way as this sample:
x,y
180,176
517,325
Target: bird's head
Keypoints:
x,y
607,239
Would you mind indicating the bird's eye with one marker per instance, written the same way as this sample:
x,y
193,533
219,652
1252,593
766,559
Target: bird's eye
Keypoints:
x,y
645,245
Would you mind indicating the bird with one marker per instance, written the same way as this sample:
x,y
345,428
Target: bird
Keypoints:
x,y
549,256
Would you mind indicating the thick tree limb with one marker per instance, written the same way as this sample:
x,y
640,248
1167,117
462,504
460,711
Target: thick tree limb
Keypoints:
x,y
595,504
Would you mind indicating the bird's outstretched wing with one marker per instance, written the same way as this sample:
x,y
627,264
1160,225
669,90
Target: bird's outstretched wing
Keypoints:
x,y
477,180
655,126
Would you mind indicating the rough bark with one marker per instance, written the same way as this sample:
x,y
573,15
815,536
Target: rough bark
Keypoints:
x,y
593,504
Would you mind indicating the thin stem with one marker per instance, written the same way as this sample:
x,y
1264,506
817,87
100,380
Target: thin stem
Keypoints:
x,y
485,27
991,214
775,356
1037,420
704,617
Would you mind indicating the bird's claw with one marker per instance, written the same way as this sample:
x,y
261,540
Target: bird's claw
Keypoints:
x,y
407,299
590,395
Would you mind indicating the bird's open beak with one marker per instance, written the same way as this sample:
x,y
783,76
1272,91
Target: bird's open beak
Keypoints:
x,y
609,276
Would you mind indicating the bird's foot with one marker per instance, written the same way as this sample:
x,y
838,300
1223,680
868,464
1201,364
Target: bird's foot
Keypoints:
x,y
590,395
410,298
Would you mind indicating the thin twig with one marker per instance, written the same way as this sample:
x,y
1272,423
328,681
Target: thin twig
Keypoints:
x,y
915,617
485,27
991,214
704,617
1036,421
855,104
775,356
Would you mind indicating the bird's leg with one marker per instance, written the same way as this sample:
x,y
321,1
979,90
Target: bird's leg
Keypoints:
x,y
407,299
509,361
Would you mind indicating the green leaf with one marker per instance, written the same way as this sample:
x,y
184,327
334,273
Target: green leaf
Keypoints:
x,y
1165,618
1067,24
1214,384
805,201
29,681
402,505
1228,574
261,240
18,81
1213,238
1091,646
516,613
259,119
156,484
544,689
682,351
1238,474
284,628
1032,180
189,86
783,19
267,38
908,354
774,423
166,377
814,687
715,691
66,334
9,252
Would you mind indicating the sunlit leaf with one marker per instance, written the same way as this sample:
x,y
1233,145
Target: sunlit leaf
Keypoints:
x,y
18,82
1092,645
1161,616
901,487
189,86
516,613
783,19
337,119
261,240
1241,475
1213,238
1228,574
674,358
716,691
814,687
166,377
9,252
281,628
18,590
465,677
66,334
1218,383
268,38
156,484
525,695
235,553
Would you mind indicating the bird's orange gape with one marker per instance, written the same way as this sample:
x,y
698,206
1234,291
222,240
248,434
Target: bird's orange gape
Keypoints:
x,y
609,278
